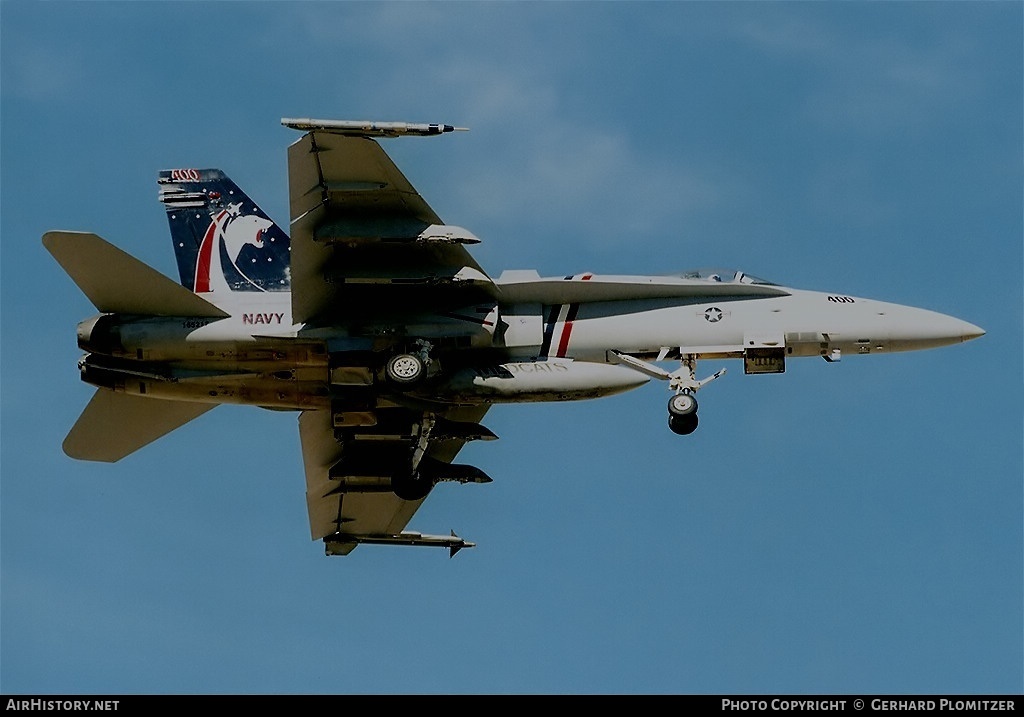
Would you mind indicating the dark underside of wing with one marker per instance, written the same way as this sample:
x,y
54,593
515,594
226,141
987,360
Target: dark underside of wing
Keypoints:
x,y
352,474
367,255
360,233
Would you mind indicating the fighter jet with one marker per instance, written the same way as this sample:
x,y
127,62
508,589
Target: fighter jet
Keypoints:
x,y
373,322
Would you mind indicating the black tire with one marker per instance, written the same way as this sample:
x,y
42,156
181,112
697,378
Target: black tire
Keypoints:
x,y
684,425
412,486
682,404
404,370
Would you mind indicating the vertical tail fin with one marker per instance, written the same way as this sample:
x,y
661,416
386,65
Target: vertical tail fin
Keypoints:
x,y
223,241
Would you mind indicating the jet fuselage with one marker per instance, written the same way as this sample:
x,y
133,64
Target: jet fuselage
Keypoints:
x,y
538,351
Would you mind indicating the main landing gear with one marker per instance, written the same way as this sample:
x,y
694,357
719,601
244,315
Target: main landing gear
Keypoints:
x,y
411,485
416,483
424,471
405,370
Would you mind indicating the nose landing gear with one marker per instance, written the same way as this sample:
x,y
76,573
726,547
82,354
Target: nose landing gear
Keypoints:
x,y
682,404
682,414
682,407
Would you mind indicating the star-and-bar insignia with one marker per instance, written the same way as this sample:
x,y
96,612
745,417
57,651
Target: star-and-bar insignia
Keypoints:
x,y
714,314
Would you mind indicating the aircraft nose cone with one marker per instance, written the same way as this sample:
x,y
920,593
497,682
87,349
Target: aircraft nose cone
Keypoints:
x,y
949,329
970,331
922,329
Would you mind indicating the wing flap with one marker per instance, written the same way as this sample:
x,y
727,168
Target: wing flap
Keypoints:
x,y
114,425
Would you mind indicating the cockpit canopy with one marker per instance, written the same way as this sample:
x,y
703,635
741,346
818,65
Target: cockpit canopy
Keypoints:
x,y
725,276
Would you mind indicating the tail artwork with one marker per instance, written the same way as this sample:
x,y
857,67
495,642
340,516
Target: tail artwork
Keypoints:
x,y
222,240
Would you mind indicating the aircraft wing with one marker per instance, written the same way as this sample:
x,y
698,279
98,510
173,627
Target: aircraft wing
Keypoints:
x,y
365,245
358,228
349,491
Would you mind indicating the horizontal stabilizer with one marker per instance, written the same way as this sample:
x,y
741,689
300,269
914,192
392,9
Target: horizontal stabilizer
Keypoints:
x,y
114,425
118,283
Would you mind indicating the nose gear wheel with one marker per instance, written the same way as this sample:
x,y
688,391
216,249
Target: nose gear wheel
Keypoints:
x,y
682,404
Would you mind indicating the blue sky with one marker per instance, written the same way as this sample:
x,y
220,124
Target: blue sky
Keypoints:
x,y
845,528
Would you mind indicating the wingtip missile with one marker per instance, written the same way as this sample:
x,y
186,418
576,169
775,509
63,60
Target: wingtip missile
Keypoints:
x,y
343,543
457,545
369,128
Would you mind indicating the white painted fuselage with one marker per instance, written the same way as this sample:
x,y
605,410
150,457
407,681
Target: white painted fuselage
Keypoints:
x,y
559,340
